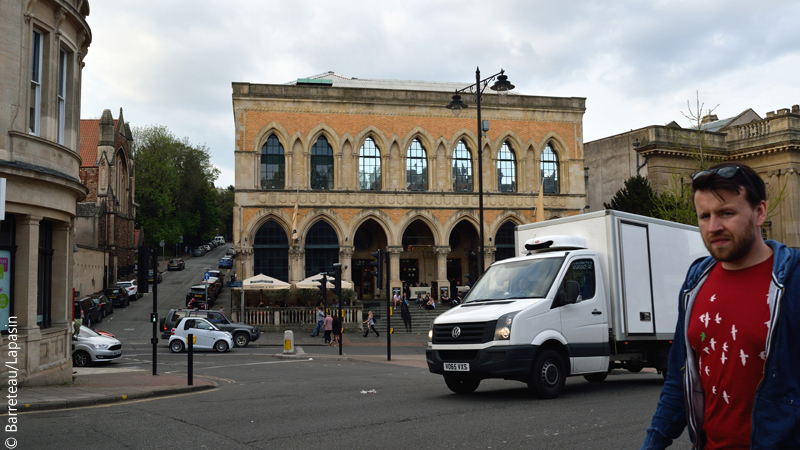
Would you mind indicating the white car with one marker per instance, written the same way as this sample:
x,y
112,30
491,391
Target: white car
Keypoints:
x,y
206,336
91,346
131,288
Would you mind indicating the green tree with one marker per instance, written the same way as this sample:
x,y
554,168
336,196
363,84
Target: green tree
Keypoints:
x,y
635,197
225,202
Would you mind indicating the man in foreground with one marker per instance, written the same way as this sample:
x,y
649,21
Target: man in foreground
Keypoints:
x,y
734,366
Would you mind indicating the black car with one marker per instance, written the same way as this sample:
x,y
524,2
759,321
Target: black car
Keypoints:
x,y
176,264
201,296
88,311
117,295
103,304
150,276
242,333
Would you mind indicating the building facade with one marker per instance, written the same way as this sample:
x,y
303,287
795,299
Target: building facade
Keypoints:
x,y
104,227
43,45
382,164
666,155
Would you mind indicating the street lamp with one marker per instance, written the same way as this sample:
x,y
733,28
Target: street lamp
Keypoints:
x,y
502,86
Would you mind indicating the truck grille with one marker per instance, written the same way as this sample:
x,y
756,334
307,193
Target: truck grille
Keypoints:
x,y
457,355
470,333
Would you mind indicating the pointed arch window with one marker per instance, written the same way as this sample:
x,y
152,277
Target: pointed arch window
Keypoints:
x,y
417,167
273,164
271,251
504,242
369,166
322,165
549,170
462,168
322,248
506,170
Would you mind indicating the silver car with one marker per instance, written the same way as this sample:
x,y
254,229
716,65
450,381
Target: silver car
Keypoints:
x,y
91,346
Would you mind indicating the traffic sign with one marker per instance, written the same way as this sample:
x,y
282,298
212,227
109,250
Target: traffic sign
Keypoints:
x,y
161,243
206,276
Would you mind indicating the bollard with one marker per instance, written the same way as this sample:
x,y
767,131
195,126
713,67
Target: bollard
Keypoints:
x,y
190,341
288,343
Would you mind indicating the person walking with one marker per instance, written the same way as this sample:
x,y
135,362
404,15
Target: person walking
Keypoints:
x,y
337,330
406,315
732,374
370,325
320,321
328,326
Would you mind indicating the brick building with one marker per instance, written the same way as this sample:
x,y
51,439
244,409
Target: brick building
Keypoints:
x,y
104,227
383,164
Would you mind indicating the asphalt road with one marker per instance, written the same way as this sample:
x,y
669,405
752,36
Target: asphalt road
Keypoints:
x,y
266,403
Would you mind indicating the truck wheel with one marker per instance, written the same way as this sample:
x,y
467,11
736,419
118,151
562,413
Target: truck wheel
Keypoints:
x,y
241,340
548,375
80,359
596,377
462,385
176,346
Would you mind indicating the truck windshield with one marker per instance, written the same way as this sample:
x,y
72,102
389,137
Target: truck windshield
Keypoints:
x,y
530,278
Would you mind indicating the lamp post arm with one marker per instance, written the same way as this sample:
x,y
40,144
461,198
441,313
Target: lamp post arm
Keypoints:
x,y
480,85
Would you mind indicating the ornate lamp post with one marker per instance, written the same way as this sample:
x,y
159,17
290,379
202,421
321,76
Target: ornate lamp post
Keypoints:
x,y
502,86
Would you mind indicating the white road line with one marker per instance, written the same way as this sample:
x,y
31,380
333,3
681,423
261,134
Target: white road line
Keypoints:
x,y
256,364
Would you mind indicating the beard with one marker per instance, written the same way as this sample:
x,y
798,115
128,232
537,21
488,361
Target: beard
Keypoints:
x,y
738,246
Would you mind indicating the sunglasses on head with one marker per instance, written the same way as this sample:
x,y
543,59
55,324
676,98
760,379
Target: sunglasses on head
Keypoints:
x,y
726,172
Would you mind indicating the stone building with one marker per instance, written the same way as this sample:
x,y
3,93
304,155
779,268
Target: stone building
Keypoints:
x,y
42,47
665,155
383,164
105,220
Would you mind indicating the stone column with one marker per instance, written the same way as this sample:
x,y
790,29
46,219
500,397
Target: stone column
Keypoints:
x,y
441,269
297,263
244,262
488,256
346,258
26,289
394,267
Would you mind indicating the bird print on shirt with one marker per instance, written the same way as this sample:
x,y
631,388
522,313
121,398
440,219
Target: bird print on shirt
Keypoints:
x,y
733,332
718,319
743,356
726,397
713,343
705,318
723,359
713,297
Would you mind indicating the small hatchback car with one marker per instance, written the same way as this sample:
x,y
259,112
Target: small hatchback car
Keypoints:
x,y
176,264
91,346
206,336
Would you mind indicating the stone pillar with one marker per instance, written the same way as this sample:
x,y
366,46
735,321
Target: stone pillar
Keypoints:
x,y
394,267
441,269
244,263
26,290
297,263
488,256
346,258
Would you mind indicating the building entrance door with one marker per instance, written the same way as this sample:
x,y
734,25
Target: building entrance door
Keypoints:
x,y
409,270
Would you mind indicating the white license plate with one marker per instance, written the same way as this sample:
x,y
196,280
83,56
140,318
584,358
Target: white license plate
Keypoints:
x,y
456,367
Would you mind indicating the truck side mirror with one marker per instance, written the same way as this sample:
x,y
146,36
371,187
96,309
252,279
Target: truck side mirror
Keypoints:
x,y
573,291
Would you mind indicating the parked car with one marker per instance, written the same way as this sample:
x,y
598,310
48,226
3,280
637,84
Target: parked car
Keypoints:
x,y
197,294
220,240
104,304
131,288
229,252
225,263
176,264
207,336
91,346
199,251
242,333
208,248
86,310
117,295
217,274
150,276
216,282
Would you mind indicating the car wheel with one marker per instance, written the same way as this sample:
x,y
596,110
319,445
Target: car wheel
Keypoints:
x,y
81,359
221,346
548,375
462,385
241,340
176,346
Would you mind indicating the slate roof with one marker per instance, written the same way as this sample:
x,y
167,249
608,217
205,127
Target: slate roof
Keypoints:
x,y
716,125
340,80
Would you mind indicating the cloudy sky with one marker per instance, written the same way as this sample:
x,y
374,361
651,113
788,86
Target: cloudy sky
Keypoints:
x,y
636,62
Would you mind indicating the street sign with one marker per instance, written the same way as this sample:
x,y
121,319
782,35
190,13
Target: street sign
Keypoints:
x,y
206,276
161,243
234,284
180,239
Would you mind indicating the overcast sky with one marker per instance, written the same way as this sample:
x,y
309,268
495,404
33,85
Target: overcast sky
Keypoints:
x,y
636,62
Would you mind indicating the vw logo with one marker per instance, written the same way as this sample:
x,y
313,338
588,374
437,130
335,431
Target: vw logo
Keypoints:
x,y
456,332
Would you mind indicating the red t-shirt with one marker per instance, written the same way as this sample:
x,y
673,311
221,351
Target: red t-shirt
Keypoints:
x,y
728,332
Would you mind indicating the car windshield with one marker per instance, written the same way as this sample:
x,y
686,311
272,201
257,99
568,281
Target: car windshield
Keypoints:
x,y
531,278
125,283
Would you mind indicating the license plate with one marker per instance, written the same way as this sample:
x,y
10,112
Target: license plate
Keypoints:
x,y
118,352
456,367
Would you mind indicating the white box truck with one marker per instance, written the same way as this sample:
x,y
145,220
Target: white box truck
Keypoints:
x,y
587,294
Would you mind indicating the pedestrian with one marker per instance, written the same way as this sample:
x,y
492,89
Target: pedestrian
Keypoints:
x,y
320,321
370,325
420,302
396,298
221,310
337,329
328,326
406,315
733,382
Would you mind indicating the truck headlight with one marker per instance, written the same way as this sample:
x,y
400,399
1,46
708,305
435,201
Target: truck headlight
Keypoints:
x,y
502,331
430,333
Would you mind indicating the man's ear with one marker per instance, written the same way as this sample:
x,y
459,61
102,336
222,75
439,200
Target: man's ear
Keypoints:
x,y
761,213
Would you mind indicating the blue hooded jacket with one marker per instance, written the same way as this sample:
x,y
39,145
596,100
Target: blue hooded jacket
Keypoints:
x,y
776,409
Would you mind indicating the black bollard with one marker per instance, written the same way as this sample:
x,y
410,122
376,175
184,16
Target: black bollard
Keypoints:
x,y
190,343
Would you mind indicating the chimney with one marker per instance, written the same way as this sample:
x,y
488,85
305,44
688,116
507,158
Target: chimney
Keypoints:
x,y
708,118
795,109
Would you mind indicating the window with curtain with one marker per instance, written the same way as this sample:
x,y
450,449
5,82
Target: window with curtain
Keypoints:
x,y
417,167
462,168
322,165
506,170
549,170
273,164
369,166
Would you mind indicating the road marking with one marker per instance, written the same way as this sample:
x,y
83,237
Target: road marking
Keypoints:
x,y
129,329
255,364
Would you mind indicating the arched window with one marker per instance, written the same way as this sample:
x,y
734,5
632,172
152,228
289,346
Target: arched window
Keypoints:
x,y
417,167
549,169
271,251
504,242
506,170
322,248
369,166
462,168
273,164
322,165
